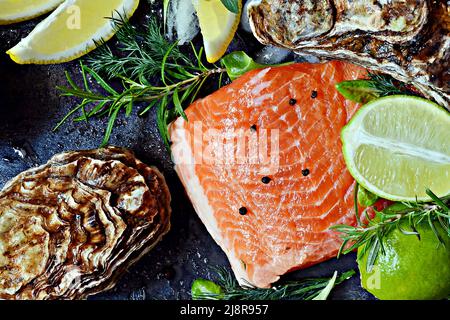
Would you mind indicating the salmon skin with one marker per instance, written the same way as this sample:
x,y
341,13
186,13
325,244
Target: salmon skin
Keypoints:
x,y
261,161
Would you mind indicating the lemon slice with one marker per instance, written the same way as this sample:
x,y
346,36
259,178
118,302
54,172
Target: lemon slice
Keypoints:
x,y
218,26
12,11
71,31
398,146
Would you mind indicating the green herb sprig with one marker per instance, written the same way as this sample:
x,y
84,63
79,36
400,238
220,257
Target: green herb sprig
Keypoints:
x,y
306,289
404,216
140,56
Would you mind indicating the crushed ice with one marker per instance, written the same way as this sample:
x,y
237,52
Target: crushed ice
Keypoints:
x,y
182,22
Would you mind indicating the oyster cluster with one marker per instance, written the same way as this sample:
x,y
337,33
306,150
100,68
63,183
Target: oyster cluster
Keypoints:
x,y
69,228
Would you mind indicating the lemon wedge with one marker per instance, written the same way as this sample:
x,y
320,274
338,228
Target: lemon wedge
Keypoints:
x,y
218,26
71,31
12,11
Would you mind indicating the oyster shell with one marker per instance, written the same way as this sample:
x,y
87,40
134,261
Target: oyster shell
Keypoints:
x,y
407,39
69,228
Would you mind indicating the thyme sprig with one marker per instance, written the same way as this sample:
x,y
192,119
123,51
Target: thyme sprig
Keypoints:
x,y
306,289
404,216
141,59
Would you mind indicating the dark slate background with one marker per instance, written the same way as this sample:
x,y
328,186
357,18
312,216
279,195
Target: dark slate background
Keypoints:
x,y
30,106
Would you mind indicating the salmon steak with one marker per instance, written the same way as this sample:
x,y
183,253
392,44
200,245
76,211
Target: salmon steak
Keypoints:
x,y
262,164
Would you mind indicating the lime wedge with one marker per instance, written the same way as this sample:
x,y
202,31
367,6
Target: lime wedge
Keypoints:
x,y
398,146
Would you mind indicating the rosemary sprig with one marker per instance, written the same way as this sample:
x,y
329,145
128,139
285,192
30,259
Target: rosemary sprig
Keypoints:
x,y
140,57
306,289
404,216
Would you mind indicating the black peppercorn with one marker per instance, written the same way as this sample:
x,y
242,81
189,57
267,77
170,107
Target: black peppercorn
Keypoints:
x,y
292,101
253,127
305,172
243,211
265,180
314,94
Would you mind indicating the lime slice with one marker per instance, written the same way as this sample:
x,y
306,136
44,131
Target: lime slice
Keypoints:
x,y
218,26
21,10
71,31
398,146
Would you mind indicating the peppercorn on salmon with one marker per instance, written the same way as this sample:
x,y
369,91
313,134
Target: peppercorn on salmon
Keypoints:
x,y
261,162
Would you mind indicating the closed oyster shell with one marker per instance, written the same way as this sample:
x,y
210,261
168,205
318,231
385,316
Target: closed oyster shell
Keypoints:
x,y
68,229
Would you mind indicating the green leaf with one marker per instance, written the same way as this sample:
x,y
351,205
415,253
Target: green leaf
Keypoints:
x,y
360,91
323,295
366,198
109,128
437,200
99,80
396,208
100,106
70,80
161,119
129,108
83,73
177,104
150,105
164,62
355,203
237,63
231,5
373,254
202,287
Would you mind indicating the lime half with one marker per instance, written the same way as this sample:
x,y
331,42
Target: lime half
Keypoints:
x,y
398,146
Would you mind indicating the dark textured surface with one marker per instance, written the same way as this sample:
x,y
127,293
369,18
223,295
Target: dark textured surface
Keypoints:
x,y
29,109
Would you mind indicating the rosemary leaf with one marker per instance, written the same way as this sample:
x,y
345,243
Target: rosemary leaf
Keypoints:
x,y
178,106
112,120
97,78
161,119
370,236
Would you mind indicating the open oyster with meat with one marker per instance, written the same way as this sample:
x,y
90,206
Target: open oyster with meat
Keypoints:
x,y
407,39
69,228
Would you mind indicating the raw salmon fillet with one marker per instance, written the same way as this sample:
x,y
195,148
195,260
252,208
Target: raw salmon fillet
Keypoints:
x,y
267,228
